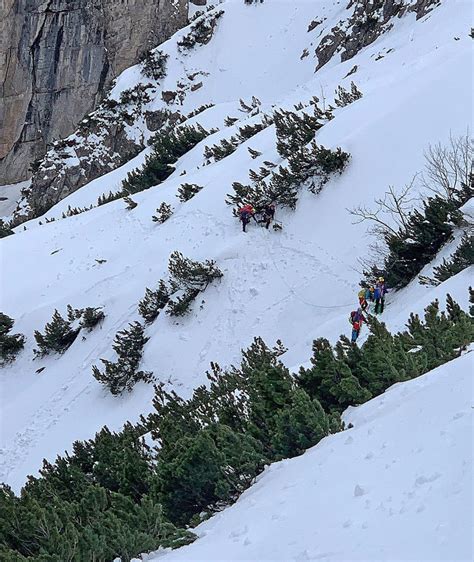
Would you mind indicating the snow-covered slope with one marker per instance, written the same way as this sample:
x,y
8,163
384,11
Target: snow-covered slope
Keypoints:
x,y
295,285
394,487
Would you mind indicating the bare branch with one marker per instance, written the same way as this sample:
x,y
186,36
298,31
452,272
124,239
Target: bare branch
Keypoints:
x,y
448,168
363,214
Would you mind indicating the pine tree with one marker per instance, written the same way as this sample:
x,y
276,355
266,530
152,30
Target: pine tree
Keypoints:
x,y
383,361
442,336
294,131
180,304
163,213
154,64
206,471
123,374
168,145
253,153
299,426
410,249
91,317
229,121
199,110
330,380
201,31
221,150
252,108
187,191
343,97
189,274
58,336
104,199
5,229
248,131
10,344
283,188
153,302
462,258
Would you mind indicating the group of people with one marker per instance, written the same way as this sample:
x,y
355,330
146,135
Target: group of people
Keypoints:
x,y
371,296
263,214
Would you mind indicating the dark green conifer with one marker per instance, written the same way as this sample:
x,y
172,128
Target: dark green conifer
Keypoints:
x,y
154,302
58,336
123,374
10,344
187,191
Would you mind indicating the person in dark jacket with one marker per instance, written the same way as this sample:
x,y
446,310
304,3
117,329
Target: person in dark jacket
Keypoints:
x,y
268,214
379,295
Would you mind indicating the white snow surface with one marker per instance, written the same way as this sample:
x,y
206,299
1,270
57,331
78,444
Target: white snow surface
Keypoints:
x,y
397,486
295,285
9,195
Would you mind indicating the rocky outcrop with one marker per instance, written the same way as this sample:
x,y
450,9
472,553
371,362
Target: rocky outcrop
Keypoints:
x,y
105,139
368,20
57,58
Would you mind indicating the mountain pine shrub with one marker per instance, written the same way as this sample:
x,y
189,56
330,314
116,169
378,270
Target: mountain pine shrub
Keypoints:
x,y
107,198
189,274
10,344
163,213
221,150
168,146
123,374
187,191
154,64
154,302
91,317
294,130
415,245
201,31
58,336
115,496
344,97
188,278
462,258
5,229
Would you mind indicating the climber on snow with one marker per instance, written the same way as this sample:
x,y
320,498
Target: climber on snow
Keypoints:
x,y
363,299
366,296
268,214
356,318
246,213
379,295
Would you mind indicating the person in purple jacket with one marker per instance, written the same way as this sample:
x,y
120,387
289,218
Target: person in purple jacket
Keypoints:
x,y
379,295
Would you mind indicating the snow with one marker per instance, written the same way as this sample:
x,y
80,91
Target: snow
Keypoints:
x,y
397,486
9,195
295,285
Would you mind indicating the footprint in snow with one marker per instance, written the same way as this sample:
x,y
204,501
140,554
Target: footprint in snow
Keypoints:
x,y
421,480
359,491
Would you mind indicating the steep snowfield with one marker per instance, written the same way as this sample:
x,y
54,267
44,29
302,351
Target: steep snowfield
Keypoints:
x,y
295,285
397,486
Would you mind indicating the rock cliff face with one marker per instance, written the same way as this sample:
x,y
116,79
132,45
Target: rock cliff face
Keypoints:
x,y
368,20
56,59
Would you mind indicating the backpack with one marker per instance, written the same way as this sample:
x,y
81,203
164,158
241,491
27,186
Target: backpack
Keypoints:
x,y
353,316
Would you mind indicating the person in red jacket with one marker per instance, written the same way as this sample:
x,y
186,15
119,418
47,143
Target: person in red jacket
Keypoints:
x,y
357,318
245,214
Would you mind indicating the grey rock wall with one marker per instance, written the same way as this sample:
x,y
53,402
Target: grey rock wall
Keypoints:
x,y
56,59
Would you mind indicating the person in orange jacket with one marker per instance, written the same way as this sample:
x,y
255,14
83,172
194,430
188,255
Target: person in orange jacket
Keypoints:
x,y
245,214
